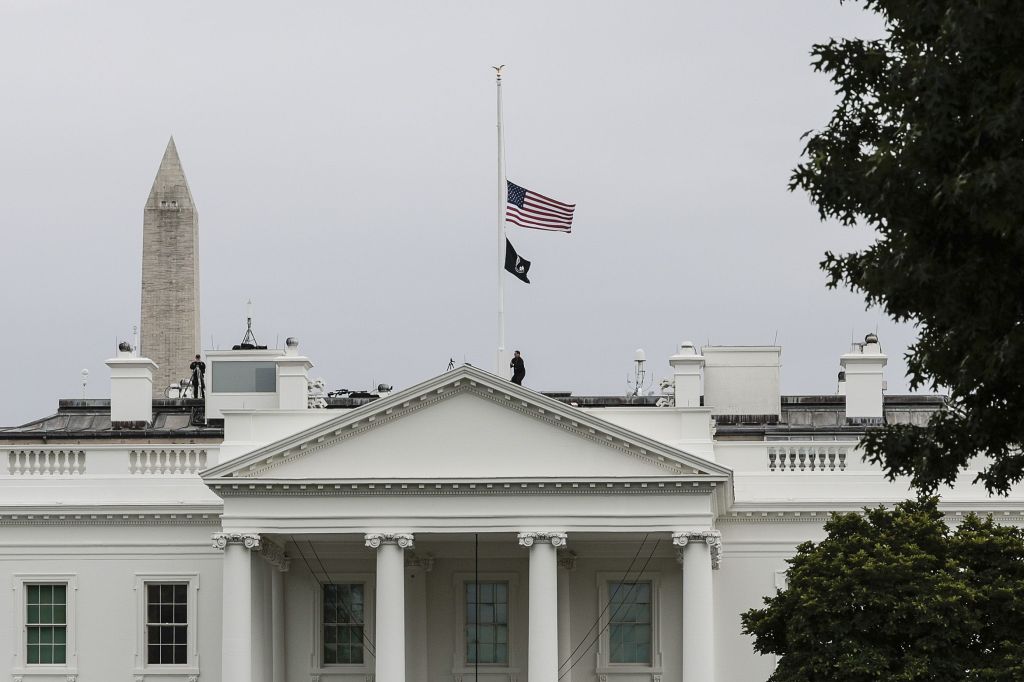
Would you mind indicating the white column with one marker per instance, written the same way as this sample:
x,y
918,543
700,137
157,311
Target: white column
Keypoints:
x,y
390,612
566,564
699,553
236,637
542,656
277,623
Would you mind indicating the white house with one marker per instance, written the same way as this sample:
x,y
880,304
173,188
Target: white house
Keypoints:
x,y
464,528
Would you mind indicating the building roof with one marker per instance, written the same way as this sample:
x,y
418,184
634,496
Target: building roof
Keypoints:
x,y
802,416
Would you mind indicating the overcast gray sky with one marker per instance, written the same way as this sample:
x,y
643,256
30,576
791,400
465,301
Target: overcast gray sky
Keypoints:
x,y
342,157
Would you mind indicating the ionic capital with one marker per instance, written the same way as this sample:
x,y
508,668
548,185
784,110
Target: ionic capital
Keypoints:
x,y
712,538
250,541
529,539
274,555
403,540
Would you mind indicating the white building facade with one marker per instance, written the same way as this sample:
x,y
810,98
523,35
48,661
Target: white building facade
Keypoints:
x,y
465,528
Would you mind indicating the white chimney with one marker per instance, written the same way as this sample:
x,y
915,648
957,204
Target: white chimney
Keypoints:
x,y
864,385
742,379
293,377
686,369
131,386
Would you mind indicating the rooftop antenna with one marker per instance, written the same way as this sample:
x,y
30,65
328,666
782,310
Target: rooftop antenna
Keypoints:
x,y
249,340
639,372
135,339
451,364
85,381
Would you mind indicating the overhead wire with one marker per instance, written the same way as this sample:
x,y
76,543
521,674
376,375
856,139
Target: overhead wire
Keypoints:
x,y
597,621
366,640
643,569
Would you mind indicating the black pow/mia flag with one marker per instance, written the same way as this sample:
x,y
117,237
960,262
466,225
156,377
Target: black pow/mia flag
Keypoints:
x,y
514,264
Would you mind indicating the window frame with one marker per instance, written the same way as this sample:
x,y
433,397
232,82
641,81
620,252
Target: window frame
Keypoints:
x,y
459,656
191,666
20,583
368,580
604,664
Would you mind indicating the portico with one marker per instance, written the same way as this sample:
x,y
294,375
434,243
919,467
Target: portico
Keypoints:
x,y
407,501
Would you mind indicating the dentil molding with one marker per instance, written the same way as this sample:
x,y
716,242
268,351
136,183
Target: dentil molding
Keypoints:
x,y
250,541
403,540
712,538
529,539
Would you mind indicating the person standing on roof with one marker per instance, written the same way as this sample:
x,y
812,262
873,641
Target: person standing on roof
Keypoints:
x,y
198,368
518,369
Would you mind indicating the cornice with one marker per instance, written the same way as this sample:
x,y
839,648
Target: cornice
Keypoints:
x,y
109,519
821,516
277,488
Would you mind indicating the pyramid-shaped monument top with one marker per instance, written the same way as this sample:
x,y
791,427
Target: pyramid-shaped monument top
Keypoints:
x,y
170,184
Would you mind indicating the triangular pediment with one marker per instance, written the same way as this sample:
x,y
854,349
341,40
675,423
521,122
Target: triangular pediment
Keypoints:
x,y
465,425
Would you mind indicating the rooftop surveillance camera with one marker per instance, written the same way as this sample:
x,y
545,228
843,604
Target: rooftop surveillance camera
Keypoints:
x,y
384,388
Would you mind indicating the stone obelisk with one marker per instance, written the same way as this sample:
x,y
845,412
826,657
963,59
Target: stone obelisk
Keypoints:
x,y
170,274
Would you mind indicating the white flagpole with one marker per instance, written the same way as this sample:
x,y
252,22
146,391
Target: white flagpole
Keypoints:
x,y
502,199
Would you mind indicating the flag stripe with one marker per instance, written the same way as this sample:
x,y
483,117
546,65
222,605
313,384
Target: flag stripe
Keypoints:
x,y
527,216
547,200
544,208
516,221
529,208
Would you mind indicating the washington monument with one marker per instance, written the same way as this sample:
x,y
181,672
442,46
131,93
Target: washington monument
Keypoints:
x,y
170,274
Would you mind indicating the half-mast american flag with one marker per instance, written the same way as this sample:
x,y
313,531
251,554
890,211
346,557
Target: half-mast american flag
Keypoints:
x,y
536,211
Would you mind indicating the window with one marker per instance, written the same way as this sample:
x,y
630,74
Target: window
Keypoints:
x,y
166,623
46,624
487,623
629,622
344,619
248,376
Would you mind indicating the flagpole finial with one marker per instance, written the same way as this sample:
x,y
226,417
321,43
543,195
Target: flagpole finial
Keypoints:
x,y
498,70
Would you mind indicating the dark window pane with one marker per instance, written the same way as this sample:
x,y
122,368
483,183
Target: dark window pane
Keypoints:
x,y
179,594
59,653
153,654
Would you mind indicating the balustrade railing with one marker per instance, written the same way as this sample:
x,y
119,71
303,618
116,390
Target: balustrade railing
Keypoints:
x,y
48,462
807,457
166,461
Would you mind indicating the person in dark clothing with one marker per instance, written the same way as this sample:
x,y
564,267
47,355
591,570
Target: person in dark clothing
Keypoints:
x,y
518,369
198,368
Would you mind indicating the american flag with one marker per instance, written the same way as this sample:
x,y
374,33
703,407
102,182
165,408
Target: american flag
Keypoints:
x,y
529,209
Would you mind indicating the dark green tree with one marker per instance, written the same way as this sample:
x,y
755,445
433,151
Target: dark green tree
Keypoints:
x,y
926,147
897,595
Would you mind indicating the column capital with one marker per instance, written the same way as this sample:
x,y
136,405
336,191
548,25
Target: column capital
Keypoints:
x,y
250,541
712,538
274,555
403,540
555,539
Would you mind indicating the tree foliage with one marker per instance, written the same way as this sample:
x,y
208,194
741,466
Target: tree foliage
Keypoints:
x,y
926,147
899,596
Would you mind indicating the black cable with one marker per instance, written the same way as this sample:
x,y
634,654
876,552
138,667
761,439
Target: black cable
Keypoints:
x,y
635,580
312,573
341,603
476,627
629,569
